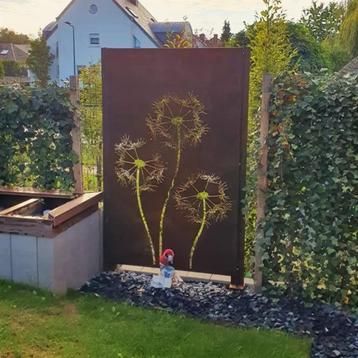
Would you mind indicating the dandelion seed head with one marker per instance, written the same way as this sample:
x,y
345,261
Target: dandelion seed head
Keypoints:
x,y
174,115
130,164
200,188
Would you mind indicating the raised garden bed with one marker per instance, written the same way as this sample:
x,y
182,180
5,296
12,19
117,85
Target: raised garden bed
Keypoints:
x,y
51,240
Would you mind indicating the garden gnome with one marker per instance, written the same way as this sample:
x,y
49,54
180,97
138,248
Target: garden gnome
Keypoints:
x,y
167,267
167,258
167,276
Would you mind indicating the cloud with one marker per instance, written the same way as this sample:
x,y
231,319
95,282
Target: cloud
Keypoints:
x,y
30,15
208,14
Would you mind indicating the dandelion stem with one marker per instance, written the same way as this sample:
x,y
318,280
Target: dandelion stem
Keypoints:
x,y
142,216
197,237
166,201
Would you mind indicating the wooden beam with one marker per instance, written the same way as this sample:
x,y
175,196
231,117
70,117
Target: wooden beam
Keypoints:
x,y
262,179
19,207
74,207
76,135
33,193
39,227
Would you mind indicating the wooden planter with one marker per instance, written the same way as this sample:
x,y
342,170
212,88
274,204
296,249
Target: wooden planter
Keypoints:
x,y
50,240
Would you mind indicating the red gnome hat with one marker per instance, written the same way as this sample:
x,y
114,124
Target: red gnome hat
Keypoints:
x,y
167,257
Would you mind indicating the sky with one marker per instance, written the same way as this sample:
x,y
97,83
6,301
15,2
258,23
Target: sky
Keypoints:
x,y
29,16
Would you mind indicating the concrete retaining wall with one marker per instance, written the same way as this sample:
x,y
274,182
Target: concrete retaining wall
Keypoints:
x,y
57,264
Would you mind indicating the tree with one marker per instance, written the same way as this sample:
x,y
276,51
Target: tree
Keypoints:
x,y
349,28
341,47
335,53
14,69
241,39
2,71
226,32
177,41
309,53
238,40
323,21
271,52
9,36
40,60
270,47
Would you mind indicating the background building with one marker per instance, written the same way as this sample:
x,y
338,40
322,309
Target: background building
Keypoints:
x,y
84,27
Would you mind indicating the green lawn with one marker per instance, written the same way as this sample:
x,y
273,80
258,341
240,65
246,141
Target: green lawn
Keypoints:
x,y
37,324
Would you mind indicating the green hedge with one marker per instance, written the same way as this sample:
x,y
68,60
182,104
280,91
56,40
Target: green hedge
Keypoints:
x,y
311,225
35,140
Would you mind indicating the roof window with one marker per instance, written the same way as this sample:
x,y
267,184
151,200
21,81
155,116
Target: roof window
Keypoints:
x,y
4,52
132,12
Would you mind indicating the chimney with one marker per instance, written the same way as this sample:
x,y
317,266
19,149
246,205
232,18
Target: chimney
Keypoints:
x,y
202,37
134,2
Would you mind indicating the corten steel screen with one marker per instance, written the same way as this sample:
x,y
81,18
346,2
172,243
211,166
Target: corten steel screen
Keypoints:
x,y
166,90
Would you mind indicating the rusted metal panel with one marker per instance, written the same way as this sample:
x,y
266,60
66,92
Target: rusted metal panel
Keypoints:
x,y
133,81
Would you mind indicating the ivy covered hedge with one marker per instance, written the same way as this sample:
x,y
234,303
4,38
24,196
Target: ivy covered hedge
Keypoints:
x,y
35,139
312,205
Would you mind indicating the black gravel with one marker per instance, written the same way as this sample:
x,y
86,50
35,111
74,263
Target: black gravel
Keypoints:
x,y
334,333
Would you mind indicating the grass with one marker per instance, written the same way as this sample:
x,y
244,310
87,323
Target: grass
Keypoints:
x,y
37,324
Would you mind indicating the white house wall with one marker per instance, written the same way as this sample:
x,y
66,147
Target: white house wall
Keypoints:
x,y
115,29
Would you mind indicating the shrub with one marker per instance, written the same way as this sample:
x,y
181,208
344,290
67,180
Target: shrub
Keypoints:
x,y
311,240
35,139
14,69
91,125
271,52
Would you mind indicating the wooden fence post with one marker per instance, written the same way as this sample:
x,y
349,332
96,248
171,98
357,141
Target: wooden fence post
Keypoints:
x,y
76,135
262,179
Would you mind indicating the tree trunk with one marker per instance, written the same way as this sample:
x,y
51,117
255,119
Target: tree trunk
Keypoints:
x,y
262,179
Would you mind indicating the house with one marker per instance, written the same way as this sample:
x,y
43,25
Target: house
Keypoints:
x,y
14,52
13,57
84,27
351,67
202,41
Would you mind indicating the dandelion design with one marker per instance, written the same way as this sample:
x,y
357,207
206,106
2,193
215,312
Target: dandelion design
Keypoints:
x,y
177,122
140,174
204,200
